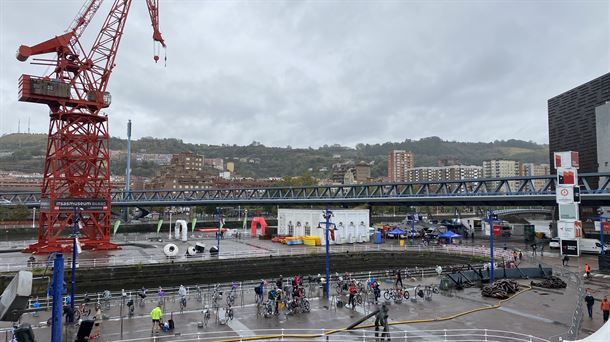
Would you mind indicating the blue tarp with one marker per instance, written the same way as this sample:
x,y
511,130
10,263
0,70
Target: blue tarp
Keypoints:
x,y
449,235
397,231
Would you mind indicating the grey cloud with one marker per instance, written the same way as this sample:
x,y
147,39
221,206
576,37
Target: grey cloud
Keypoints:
x,y
321,72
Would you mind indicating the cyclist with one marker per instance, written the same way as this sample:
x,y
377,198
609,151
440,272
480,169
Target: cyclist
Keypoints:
x,y
182,294
398,279
280,282
161,293
258,290
376,291
278,301
130,306
156,315
353,289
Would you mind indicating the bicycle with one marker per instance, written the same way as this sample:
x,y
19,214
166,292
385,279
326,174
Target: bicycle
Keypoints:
x,y
106,298
141,296
206,316
182,303
130,307
82,311
216,297
198,294
396,294
266,309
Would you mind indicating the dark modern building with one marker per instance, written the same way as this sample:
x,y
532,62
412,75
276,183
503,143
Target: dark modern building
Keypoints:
x,y
572,121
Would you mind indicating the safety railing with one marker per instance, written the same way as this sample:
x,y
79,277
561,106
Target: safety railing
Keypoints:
x,y
202,293
337,335
256,253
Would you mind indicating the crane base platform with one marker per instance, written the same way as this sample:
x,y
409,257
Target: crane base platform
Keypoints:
x,y
65,246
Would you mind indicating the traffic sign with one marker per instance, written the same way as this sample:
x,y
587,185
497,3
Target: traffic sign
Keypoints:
x,y
564,194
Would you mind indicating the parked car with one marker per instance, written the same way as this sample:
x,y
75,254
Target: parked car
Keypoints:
x,y
554,243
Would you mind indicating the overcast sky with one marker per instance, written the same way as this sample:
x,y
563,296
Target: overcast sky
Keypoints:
x,y
323,72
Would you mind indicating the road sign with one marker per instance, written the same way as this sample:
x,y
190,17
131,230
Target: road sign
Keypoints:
x,y
565,194
605,224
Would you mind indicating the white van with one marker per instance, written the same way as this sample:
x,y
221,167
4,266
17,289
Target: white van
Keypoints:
x,y
592,246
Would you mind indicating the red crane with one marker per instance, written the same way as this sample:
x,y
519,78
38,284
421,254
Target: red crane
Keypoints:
x,y
77,164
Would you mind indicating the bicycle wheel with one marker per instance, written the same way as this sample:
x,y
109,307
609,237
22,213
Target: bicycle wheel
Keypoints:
x,y
77,316
306,306
206,318
435,289
358,299
406,294
339,289
428,291
87,311
387,295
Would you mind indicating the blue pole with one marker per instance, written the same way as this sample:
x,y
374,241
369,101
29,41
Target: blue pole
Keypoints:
x,y
327,284
413,229
58,289
74,232
491,246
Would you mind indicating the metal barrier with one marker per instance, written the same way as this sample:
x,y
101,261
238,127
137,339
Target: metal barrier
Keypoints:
x,y
337,335
114,261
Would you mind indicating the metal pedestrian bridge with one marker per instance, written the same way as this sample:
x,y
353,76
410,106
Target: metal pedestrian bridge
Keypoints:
x,y
533,190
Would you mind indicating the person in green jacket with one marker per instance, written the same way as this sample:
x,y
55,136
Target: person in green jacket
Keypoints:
x,y
156,315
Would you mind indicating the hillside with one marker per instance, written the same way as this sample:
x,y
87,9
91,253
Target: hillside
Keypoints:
x,y
28,154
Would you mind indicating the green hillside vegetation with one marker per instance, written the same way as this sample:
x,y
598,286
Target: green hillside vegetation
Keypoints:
x,y
262,161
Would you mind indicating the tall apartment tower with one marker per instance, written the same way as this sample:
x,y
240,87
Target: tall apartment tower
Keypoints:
x,y
399,162
572,122
500,168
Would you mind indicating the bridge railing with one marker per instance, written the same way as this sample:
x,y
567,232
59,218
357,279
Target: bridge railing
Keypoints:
x,y
591,184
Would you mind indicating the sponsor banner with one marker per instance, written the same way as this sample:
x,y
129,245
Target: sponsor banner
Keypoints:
x,y
567,159
80,204
568,212
569,247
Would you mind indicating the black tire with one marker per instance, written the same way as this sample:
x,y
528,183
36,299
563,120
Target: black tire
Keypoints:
x,y
306,306
387,295
406,294
358,299
339,289
435,289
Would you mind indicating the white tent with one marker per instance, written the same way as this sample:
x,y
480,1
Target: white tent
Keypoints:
x,y
601,335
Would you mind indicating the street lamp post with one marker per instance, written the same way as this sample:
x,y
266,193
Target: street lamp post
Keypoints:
x,y
327,216
413,230
602,218
220,223
490,221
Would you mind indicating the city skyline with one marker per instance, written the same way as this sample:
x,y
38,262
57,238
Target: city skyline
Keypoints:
x,y
309,74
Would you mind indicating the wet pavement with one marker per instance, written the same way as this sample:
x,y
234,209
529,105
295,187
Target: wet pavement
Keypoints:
x,y
539,312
